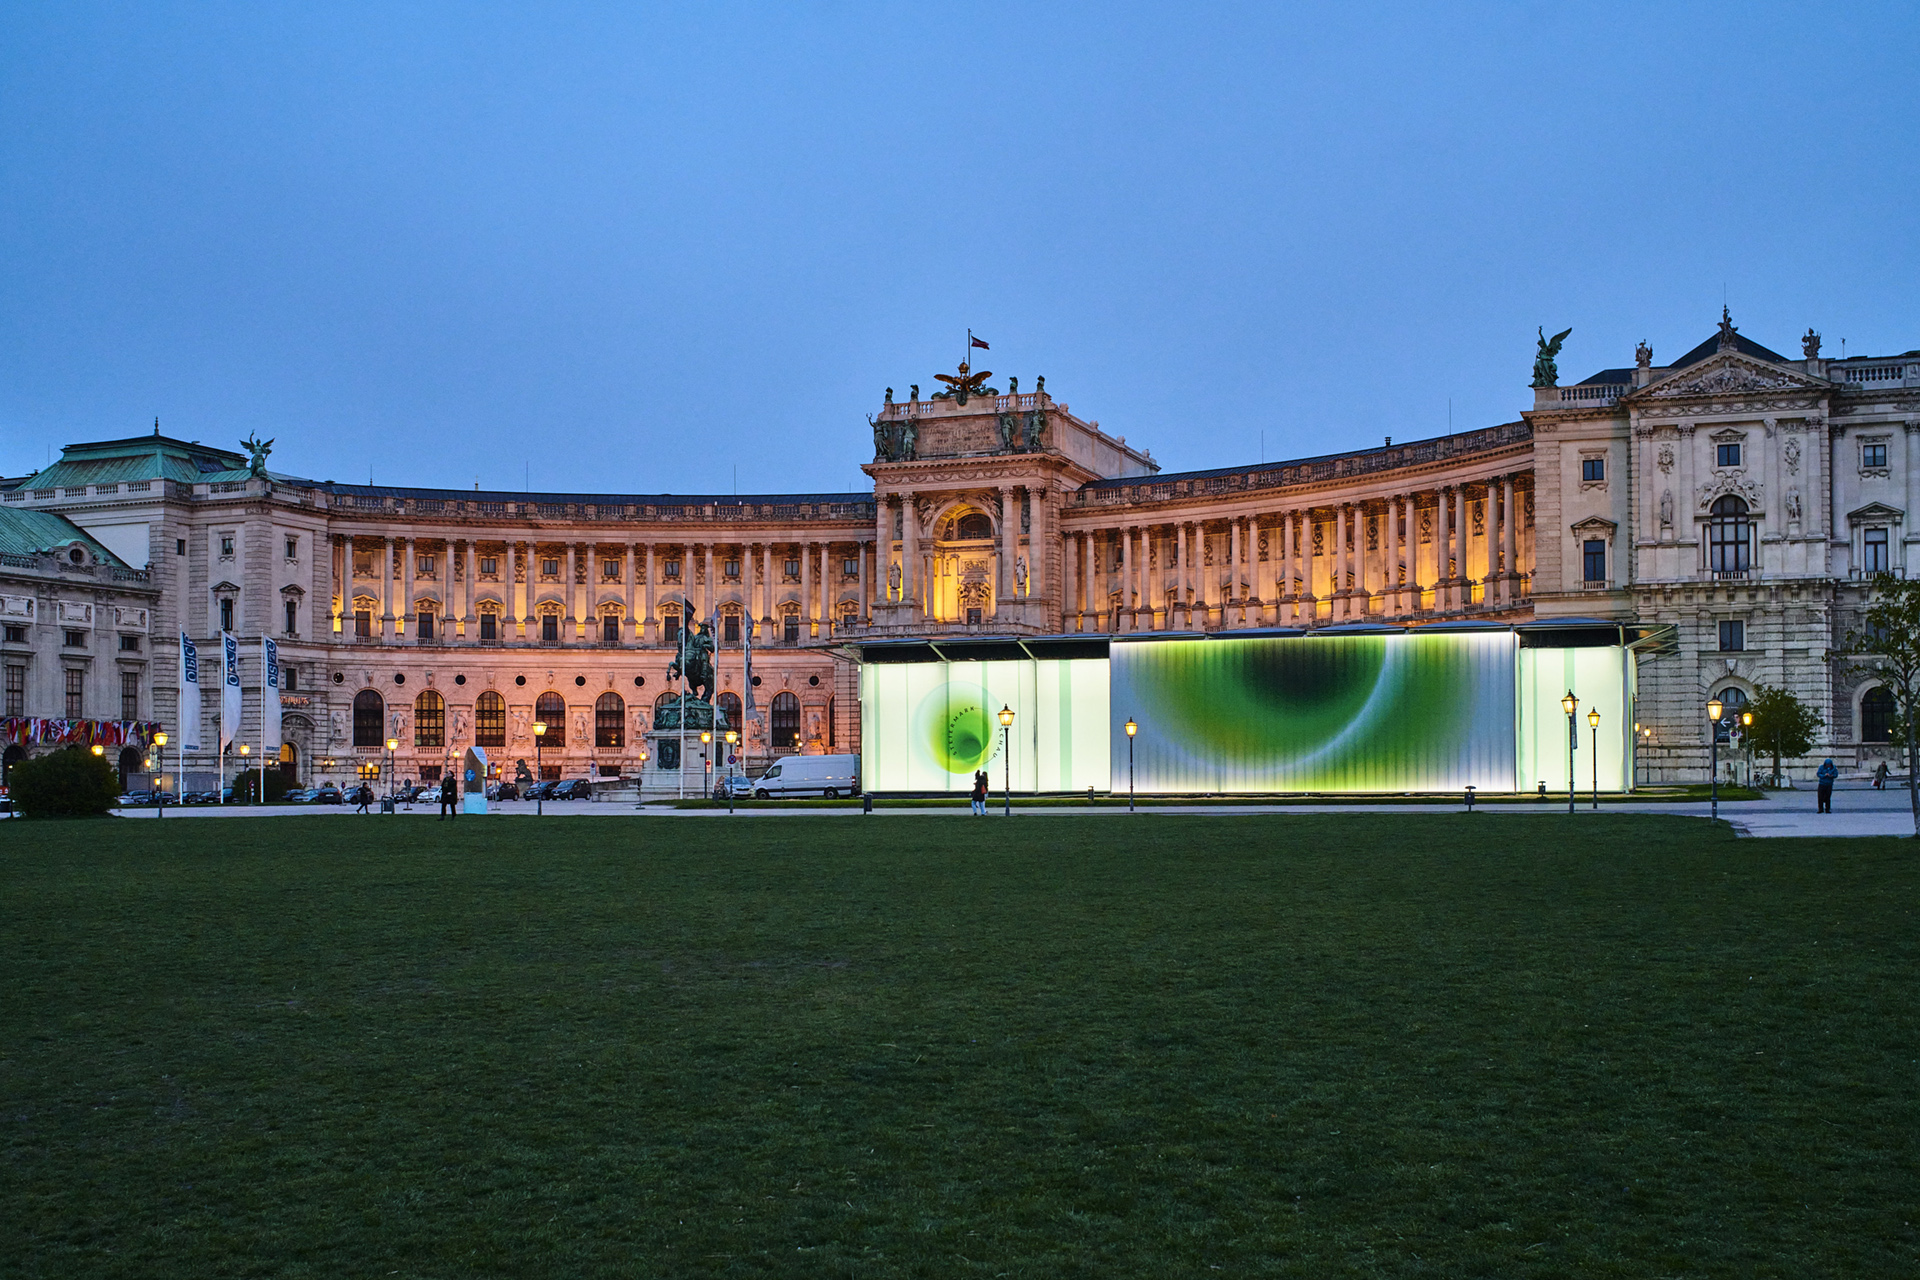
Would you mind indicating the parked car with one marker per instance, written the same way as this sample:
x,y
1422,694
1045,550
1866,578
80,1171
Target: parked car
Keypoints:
x,y
135,799
574,789
502,791
328,794
299,795
828,776
541,791
739,784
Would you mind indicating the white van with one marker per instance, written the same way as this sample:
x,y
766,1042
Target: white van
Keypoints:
x,y
829,776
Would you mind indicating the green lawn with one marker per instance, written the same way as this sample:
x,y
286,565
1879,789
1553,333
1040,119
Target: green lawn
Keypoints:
x,y
1105,1046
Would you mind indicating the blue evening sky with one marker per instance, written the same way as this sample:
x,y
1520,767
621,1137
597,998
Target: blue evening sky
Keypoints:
x,y
639,247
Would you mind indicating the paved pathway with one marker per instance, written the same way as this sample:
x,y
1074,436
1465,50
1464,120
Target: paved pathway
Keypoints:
x,y
1857,812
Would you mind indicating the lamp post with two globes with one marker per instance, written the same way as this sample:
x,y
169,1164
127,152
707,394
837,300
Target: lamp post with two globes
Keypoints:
x,y
1571,704
1715,709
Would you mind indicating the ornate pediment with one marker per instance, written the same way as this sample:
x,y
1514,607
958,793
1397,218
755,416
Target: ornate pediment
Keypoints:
x,y
1731,483
1729,373
1876,513
1595,527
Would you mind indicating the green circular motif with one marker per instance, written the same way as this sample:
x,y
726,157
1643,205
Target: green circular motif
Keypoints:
x,y
953,725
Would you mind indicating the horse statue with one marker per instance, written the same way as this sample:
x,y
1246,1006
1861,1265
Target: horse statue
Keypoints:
x,y
695,659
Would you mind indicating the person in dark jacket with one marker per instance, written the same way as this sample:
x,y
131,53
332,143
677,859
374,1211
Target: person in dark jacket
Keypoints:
x,y
449,798
1825,776
980,793
363,797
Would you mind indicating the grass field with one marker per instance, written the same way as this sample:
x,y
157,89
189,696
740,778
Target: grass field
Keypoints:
x,y
1154,1046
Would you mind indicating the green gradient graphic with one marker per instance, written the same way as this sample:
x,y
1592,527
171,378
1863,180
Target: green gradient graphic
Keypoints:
x,y
1320,713
955,728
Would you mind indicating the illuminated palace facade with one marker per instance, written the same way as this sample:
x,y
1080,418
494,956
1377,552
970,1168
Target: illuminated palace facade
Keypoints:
x,y
1732,486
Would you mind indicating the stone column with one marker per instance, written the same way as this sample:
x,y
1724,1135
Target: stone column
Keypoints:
x,y
344,604
1505,571
709,589
468,616
1006,589
386,590
909,550
1088,584
882,542
809,603
866,582
1285,608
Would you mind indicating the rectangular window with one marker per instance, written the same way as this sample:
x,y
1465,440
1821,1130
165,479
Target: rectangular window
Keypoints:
x,y
1733,636
226,544
426,625
76,640
550,628
1873,455
792,568
1729,455
673,571
16,691
16,635
129,695
1592,469
609,630
362,622
426,565
1594,555
551,568
293,617
179,546
226,615
670,628
609,569
487,625
792,632
1876,551
731,568
973,617
289,678
731,629
850,567
489,565
129,644
293,548
76,694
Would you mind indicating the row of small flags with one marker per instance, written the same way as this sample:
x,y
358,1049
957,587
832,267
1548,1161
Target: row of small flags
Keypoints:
x,y
190,731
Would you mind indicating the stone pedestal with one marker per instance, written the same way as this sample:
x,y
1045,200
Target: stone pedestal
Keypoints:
x,y
664,771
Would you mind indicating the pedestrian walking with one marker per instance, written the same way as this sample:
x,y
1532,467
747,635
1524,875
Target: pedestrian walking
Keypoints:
x,y
980,793
363,797
449,798
1826,774
1880,777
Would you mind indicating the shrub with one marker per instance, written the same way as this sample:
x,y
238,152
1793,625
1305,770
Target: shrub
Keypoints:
x,y
246,785
73,783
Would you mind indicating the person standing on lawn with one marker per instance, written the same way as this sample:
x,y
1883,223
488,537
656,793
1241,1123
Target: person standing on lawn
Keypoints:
x,y
1826,774
980,793
449,798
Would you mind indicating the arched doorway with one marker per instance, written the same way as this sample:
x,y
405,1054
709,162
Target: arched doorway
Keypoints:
x,y
289,762
785,726
131,762
11,757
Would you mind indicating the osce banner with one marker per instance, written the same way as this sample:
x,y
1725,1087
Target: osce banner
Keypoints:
x,y
928,726
269,698
188,727
1412,712
229,689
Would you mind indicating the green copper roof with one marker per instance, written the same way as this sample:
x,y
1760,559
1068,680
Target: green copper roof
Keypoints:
x,y
22,533
139,458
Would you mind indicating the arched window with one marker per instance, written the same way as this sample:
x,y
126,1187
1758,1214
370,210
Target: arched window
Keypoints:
x,y
973,526
1734,699
1728,535
490,720
429,720
610,720
369,719
131,762
1876,715
552,708
729,705
289,761
786,722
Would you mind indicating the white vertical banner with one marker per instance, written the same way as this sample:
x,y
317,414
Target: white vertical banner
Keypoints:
x,y
188,728
229,689
269,699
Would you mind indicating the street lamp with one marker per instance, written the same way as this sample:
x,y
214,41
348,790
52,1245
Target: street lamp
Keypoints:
x,y
1593,722
1746,741
733,736
1132,729
1006,730
160,740
246,751
1715,709
1570,704
706,761
393,746
539,738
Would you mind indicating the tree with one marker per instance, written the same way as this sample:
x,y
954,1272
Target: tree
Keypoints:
x,y
73,783
1782,725
1889,646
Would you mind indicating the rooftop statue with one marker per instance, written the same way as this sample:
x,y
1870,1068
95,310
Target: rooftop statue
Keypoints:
x,y
1810,345
1545,372
963,385
257,448
1728,334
